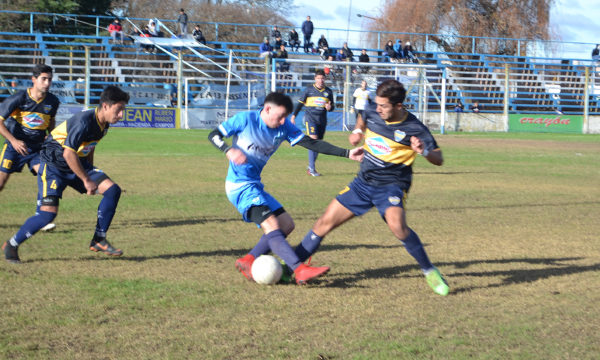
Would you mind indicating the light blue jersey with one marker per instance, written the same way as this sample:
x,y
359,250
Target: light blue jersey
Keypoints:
x,y
259,143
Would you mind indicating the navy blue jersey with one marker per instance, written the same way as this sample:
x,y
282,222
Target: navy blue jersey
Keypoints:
x,y
314,101
27,119
388,156
81,133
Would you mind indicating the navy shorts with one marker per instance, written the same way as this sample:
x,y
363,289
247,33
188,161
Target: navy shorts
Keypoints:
x,y
314,128
11,161
52,181
359,197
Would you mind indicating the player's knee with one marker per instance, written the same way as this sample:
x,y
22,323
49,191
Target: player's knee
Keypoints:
x,y
113,192
46,216
287,227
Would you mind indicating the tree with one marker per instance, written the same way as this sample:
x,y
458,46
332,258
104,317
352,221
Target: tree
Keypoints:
x,y
516,19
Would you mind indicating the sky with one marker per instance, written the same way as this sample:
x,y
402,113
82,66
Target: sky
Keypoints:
x,y
572,20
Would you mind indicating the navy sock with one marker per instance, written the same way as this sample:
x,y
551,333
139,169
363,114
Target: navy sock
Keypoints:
x,y
31,226
308,246
312,157
413,245
280,246
106,210
261,248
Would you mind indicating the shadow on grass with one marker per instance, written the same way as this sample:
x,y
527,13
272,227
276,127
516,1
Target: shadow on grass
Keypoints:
x,y
552,267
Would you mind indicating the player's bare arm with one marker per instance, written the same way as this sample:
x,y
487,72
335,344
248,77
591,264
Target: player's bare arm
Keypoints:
x,y
434,156
18,145
75,165
358,133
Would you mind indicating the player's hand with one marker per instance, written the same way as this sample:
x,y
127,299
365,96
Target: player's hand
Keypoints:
x,y
328,106
357,154
20,147
90,186
293,119
417,145
355,138
236,156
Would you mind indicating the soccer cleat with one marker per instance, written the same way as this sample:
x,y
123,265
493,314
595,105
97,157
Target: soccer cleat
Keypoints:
x,y
105,247
286,274
437,282
49,227
244,265
11,253
305,273
312,172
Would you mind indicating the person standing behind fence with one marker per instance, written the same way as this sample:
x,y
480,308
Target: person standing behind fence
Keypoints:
x,y
307,30
363,97
294,41
596,53
198,36
182,22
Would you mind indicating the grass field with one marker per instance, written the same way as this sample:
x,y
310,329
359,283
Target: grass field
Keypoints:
x,y
512,220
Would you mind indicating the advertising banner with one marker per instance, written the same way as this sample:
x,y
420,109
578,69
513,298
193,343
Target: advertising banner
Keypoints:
x,y
545,123
149,117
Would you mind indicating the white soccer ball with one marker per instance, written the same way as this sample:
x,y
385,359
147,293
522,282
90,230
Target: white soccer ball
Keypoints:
x,y
266,270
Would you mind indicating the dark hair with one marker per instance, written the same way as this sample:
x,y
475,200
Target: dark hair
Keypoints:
x,y
319,72
181,10
280,99
39,69
112,95
393,90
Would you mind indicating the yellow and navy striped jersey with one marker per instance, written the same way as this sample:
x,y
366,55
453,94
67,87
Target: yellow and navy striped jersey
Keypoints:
x,y
27,119
388,156
81,133
314,101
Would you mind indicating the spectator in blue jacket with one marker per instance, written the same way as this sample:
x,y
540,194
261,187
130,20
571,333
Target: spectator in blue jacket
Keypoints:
x,y
307,30
399,50
265,48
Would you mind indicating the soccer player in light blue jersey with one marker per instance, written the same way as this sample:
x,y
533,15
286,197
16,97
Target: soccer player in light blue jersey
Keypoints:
x,y
393,139
257,135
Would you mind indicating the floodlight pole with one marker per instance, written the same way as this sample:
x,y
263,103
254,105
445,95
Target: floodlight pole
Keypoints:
x,y
228,85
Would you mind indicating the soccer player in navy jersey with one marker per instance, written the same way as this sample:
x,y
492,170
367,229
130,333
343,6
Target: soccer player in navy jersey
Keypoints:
x,y
318,100
392,139
67,159
257,135
25,119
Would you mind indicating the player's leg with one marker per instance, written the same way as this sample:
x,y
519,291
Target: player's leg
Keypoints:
x,y
50,187
9,163
3,179
395,217
34,167
312,132
111,193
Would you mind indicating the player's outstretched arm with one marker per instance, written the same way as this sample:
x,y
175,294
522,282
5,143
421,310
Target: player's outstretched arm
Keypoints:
x,y
235,155
326,148
434,156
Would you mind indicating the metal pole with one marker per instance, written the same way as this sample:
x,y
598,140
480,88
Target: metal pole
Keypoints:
x,y
586,102
443,104
86,91
31,23
179,74
506,97
186,121
228,85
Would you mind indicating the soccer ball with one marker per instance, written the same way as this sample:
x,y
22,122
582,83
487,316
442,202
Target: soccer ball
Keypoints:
x,y
266,270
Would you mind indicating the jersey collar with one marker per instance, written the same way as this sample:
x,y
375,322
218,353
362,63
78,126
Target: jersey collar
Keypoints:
x,y
31,97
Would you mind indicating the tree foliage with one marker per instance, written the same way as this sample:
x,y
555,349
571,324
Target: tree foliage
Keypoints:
x,y
516,19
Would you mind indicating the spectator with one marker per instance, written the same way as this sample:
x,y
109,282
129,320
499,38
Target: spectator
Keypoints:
x,y
327,67
146,33
476,107
340,56
409,53
265,48
115,29
323,47
363,98
349,54
596,53
459,107
307,30
364,58
294,41
398,50
283,66
389,52
198,36
275,33
182,21
278,42
153,27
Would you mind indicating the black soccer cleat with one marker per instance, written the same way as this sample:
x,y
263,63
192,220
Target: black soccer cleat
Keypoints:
x,y
105,247
11,253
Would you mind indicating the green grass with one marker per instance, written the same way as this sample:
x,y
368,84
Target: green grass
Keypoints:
x,y
510,219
